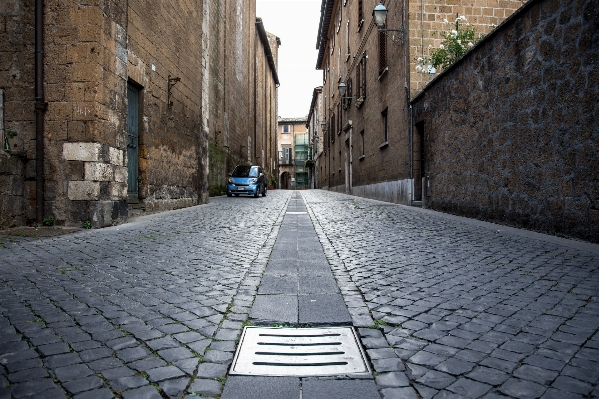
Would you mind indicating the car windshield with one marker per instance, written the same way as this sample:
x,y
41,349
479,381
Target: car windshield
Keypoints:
x,y
245,171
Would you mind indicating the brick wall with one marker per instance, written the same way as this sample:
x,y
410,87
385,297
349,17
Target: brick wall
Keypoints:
x,y
346,163
510,131
427,18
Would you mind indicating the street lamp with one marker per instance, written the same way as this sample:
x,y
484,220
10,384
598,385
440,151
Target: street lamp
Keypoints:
x,y
380,16
342,90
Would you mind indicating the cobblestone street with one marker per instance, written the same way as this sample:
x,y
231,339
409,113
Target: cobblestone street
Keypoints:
x,y
446,307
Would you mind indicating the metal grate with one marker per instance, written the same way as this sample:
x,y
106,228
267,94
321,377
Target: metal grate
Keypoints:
x,y
299,352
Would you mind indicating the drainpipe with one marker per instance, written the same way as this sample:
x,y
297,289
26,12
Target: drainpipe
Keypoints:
x,y
40,108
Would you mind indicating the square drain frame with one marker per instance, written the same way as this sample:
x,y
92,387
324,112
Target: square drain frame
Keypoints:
x,y
300,352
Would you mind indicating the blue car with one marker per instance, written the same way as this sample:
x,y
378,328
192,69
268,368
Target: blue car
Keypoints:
x,y
247,180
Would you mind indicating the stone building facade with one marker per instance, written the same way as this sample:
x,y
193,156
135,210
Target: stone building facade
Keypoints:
x,y
287,130
129,94
510,132
240,91
368,148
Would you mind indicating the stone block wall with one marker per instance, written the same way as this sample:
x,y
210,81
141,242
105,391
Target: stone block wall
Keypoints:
x,y
17,116
427,18
511,133
166,41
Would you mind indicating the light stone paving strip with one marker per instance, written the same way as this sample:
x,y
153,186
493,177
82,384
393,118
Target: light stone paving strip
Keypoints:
x,y
467,309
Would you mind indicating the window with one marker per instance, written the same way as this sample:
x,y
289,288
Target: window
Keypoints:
x,y
339,122
361,79
287,156
363,149
339,18
360,13
385,126
347,51
333,131
286,128
382,53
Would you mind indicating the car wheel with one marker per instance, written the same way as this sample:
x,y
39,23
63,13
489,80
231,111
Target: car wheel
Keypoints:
x,y
257,193
264,191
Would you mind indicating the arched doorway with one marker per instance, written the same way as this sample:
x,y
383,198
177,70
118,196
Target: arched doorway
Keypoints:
x,y
285,181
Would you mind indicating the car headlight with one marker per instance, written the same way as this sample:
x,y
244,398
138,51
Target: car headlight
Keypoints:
x,y
253,181
230,179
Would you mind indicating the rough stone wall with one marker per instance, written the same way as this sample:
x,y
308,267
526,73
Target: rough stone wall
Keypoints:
x,y
166,41
511,131
266,106
228,90
426,19
17,117
85,124
378,160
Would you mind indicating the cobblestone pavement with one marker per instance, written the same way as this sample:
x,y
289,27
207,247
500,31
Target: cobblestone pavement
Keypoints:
x,y
471,310
150,309
153,308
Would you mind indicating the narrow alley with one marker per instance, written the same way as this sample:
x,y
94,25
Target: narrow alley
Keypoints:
x,y
443,306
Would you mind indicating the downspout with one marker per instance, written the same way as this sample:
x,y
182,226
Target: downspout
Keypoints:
x,y
40,109
255,95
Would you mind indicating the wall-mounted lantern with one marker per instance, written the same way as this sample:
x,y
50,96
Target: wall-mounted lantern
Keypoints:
x,y
380,17
171,82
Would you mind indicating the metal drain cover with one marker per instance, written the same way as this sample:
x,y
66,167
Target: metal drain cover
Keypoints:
x,y
299,352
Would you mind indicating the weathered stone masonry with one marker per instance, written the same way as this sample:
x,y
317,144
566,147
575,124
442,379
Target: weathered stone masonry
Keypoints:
x,y
134,90
511,131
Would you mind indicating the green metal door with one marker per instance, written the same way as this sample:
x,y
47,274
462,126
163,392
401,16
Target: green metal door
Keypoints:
x,y
132,141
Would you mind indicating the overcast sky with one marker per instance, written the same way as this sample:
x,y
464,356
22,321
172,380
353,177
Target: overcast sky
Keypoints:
x,y
295,22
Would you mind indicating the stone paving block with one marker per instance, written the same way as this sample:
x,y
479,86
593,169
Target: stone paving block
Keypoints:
x,y
25,375
83,384
455,366
262,388
211,370
323,309
201,387
147,363
389,364
392,380
147,392
54,349
188,365
569,384
102,393
13,367
175,354
317,285
31,387
425,358
535,374
72,372
164,373
118,372
522,389
313,388
175,388
469,388
488,375
128,382
275,309
132,354
436,379
424,391
279,284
